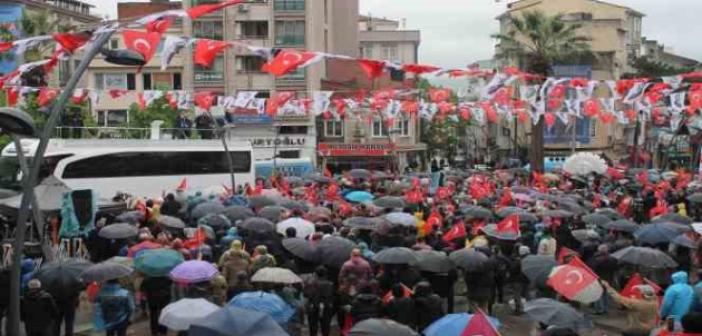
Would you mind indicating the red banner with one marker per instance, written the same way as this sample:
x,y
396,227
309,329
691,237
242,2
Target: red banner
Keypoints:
x,y
341,149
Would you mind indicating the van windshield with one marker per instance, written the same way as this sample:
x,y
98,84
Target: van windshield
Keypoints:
x,y
11,175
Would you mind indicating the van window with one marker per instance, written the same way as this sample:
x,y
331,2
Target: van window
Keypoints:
x,y
157,164
10,176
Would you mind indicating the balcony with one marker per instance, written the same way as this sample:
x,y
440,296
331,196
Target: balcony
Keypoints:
x,y
289,5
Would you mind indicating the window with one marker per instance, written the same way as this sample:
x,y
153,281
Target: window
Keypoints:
x,y
379,129
114,44
108,81
286,130
367,51
298,74
215,73
249,63
253,29
334,128
289,5
289,154
208,30
161,81
388,52
506,132
593,128
402,126
157,164
290,32
397,75
112,118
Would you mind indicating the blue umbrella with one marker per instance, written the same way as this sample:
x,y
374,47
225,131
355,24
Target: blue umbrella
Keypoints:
x,y
233,321
270,304
453,325
656,234
359,196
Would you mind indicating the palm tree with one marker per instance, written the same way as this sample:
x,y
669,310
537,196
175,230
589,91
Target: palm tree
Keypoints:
x,y
540,41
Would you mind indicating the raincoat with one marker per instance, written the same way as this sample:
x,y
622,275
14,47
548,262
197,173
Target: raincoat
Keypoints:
x,y
114,305
678,298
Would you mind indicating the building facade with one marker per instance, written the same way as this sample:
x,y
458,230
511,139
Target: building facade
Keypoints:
x,y
365,142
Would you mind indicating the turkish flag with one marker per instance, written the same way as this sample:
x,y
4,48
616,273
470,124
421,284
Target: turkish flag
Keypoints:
x,y
439,95
144,43
550,119
6,46
72,41
571,281
46,96
465,112
419,68
509,225
79,96
457,231
478,226
575,261
141,101
630,289
490,112
278,101
435,221
198,11
372,68
183,185
204,100
328,172
117,93
206,51
12,95
406,292
289,60
479,325
160,25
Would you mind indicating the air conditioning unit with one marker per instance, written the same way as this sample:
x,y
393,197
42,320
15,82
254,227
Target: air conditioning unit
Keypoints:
x,y
244,8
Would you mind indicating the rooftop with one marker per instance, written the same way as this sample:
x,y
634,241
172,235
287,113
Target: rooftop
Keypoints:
x,y
510,6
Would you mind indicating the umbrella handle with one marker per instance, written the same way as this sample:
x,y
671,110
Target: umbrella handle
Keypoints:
x,y
7,255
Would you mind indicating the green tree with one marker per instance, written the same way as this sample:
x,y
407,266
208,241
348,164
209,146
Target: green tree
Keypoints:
x,y
646,67
159,109
541,41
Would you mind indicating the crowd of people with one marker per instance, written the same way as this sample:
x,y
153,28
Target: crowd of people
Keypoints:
x,y
373,245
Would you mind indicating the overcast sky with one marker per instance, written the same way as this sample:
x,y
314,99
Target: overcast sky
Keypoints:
x,y
457,32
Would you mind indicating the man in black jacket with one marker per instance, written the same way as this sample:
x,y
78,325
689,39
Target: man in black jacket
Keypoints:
x,y
400,308
38,310
158,294
605,266
319,292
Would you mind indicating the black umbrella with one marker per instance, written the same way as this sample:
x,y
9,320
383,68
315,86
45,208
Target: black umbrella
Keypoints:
x,y
363,223
104,271
596,219
395,256
390,202
257,224
509,211
673,217
609,212
301,248
118,231
261,201
131,217
645,256
335,251
695,198
491,230
171,222
558,213
573,207
319,178
360,173
685,241
433,261
469,259
206,208
272,213
477,212
553,313
381,327
527,217
236,213
538,268
622,225
295,205
62,278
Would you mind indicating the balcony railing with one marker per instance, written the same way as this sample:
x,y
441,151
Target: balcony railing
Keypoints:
x,y
289,5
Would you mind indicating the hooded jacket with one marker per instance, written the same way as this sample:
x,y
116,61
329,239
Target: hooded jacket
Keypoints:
x,y
678,298
233,261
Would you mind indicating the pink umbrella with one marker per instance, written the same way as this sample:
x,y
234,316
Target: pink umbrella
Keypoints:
x,y
193,271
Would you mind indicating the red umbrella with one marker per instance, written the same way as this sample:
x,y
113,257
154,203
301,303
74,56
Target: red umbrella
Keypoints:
x,y
145,245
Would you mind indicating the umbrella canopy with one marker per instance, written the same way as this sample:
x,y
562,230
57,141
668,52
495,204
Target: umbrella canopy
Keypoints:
x,y
381,327
276,275
553,313
363,223
433,261
391,202
401,218
257,224
359,196
334,251
180,315
454,324
509,211
261,201
215,221
644,256
538,268
62,278
263,302
469,259
206,208
171,222
596,219
491,230
559,213
129,262
157,262
673,217
609,212
236,213
622,225
319,178
477,212
360,173
301,248
685,241
294,205
695,198
118,231
272,213
131,217
656,233
585,235
49,195
104,271
320,211
303,227
233,321
193,271
395,256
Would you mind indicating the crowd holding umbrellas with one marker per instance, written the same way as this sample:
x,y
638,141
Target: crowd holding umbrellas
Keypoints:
x,y
388,254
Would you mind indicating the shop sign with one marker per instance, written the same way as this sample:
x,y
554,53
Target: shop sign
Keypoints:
x,y
268,142
329,149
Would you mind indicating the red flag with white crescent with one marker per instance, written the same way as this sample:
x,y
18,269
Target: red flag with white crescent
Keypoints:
x,y
575,283
144,43
289,60
509,225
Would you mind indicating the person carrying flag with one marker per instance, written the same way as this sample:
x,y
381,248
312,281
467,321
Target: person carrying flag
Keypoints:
x,y
642,312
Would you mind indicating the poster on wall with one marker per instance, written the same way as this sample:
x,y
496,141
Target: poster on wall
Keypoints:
x,y
10,15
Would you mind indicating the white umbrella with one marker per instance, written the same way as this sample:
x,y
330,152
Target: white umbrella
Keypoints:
x,y
180,315
585,163
303,227
276,275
